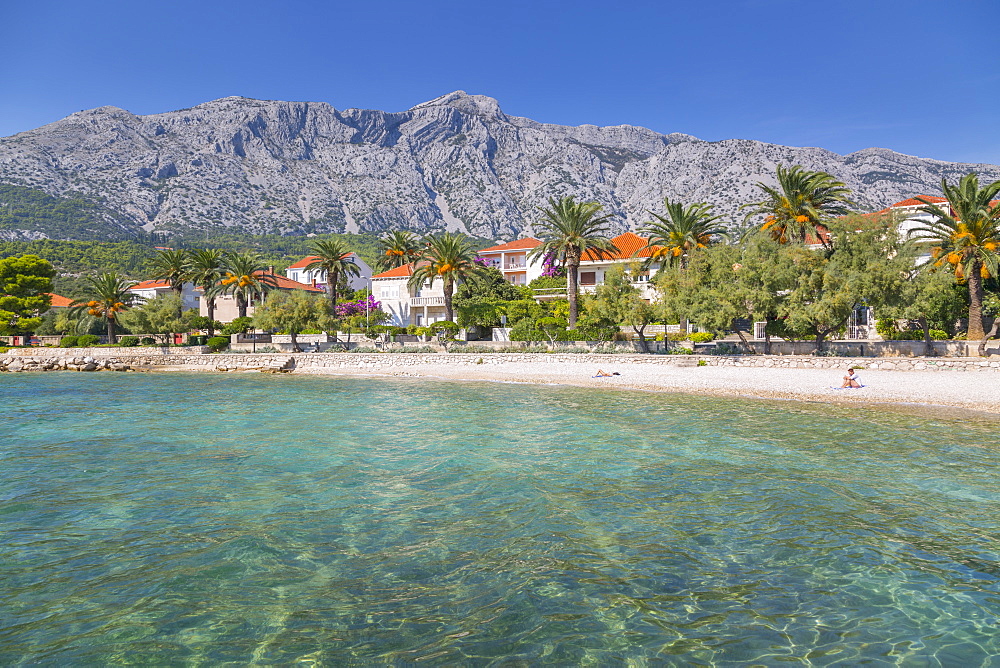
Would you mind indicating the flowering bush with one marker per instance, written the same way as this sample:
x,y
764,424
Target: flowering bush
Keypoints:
x,y
484,261
359,307
551,268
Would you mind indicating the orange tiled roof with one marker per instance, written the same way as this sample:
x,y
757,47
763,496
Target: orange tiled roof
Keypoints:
x,y
913,201
399,272
149,285
626,244
59,301
283,283
527,243
306,261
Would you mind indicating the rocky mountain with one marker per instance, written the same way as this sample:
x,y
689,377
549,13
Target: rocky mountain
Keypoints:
x,y
457,162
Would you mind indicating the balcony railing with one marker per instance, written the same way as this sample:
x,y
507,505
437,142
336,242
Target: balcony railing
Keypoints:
x,y
426,301
515,265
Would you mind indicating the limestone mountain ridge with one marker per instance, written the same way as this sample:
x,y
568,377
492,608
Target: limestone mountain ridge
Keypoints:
x,y
456,162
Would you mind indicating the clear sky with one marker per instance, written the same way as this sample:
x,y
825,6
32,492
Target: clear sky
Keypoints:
x,y
917,76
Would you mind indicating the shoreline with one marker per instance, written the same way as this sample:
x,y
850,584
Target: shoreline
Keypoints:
x,y
950,385
975,395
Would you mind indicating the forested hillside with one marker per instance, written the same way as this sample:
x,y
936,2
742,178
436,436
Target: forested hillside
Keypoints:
x,y
27,211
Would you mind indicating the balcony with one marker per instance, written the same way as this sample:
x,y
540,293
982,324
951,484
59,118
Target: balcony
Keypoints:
x,y
426,301
514,265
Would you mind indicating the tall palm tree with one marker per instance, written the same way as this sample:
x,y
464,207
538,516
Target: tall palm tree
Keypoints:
x,y
569,229
803,201
206,269
672,238
967,236
332,258
171,266
108,296
247,279
450,257
398,248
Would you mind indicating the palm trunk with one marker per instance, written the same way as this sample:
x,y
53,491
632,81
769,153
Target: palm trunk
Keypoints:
x,y
975,331
332,280
449,288
572,269
111,330
211,315
241,305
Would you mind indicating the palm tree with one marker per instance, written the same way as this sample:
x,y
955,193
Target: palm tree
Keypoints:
x,y
683,230
171,266
802,202
109,296
332,258
247,279
967,236
569,229
450,257
398,248
206,270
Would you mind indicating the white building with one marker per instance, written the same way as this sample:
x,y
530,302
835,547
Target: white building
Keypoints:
x,y
298,273
408,306
147,290
512,260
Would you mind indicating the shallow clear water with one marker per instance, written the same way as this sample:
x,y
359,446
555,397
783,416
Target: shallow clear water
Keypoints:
x,y
203,519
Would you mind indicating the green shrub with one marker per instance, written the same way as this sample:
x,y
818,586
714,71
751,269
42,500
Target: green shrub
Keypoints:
x,y
886,328
702,363
128,341
701,337
148,341
677,336
238,326
680,351
218,343
69,342
88,340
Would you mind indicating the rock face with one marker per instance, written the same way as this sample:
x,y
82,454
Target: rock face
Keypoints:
x,y
456,162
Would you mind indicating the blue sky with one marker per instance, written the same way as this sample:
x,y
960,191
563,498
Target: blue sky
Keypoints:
x,y
920,77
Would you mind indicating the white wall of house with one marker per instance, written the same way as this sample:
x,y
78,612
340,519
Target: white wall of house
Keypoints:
x,y
303,275
408,306
189,298
514,265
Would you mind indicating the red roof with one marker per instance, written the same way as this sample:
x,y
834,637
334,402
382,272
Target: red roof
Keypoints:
x,y
283,283
404,271
306,261
59,301
626,244
527,243
913,201
149,285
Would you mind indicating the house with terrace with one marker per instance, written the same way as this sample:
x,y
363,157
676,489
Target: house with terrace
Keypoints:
x,y
405,305
300,272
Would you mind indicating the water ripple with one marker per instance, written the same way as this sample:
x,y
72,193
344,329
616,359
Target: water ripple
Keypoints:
x,y
328,521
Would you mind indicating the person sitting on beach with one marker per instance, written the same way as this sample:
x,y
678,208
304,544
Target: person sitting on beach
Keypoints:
x,y
601,373
852,379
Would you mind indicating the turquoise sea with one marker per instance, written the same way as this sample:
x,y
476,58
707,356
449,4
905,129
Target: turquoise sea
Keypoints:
x,y
176,519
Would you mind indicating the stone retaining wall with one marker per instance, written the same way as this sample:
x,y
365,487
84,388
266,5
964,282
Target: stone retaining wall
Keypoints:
x,y
130,358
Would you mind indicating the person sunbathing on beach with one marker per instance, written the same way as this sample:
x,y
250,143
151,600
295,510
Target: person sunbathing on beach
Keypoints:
x,y
601,373
851,379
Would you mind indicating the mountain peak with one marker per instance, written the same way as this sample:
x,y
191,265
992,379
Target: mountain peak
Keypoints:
x,y
479,105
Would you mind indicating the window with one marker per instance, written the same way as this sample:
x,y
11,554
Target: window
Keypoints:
x,y
588,278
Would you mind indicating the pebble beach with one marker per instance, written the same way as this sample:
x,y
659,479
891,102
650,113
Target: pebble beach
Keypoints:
x,y
968,391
